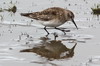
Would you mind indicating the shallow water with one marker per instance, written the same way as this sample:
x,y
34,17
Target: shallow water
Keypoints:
x,y
19,33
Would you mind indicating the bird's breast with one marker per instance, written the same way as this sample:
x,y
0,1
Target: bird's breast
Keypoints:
x,y
51,23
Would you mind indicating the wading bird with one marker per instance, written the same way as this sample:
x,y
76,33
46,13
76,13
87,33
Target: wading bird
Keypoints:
x,y
52,17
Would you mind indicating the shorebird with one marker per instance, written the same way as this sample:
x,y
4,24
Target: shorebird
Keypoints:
x,y
52,17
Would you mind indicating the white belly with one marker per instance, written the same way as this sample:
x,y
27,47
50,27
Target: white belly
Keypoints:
x,y
51,23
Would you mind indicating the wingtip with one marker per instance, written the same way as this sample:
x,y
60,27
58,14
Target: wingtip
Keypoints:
x,y
25,14
22,14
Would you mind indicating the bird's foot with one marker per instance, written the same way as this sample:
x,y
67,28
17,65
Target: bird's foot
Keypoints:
x,y
64,31
47,34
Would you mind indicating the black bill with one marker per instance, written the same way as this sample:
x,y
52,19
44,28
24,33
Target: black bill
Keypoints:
x,y
74,23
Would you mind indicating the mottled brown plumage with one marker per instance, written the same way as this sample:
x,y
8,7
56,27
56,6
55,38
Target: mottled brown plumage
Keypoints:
x,y
50,14
52,17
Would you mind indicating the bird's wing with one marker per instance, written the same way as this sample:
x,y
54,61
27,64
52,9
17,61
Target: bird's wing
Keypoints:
x,y
45,15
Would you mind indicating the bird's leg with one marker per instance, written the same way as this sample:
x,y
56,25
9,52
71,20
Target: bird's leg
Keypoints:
x,y
61,30
55,36
46,30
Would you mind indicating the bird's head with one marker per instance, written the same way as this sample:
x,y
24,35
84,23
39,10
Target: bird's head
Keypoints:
x,y
70,16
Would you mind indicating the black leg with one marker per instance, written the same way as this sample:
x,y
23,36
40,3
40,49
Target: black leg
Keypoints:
x,y
46,30
55,36
63,30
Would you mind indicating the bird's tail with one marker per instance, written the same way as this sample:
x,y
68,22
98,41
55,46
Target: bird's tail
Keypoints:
x,y
25,14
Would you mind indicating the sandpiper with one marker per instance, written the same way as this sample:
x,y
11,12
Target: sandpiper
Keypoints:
x,y
52,17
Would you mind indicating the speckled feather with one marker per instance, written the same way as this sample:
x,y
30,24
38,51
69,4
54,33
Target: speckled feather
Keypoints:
x,y
50,14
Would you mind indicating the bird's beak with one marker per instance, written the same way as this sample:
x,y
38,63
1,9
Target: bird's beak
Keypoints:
x,y
74,23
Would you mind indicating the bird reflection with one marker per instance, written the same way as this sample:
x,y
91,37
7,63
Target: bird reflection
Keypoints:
x,y
52,49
